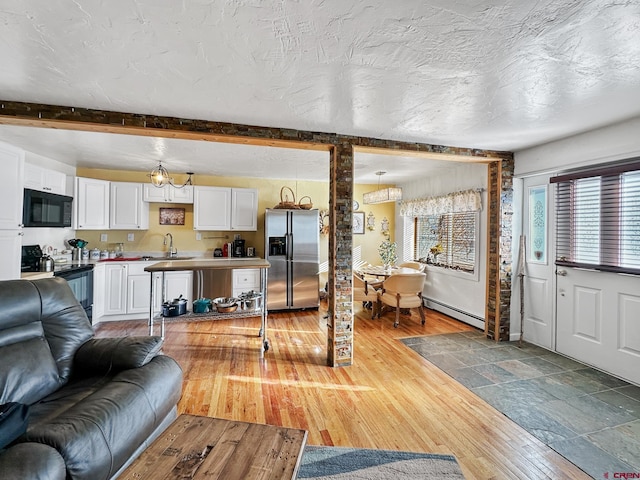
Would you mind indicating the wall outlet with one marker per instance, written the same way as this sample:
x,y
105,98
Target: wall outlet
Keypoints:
x,y
103,237
198,236
131,237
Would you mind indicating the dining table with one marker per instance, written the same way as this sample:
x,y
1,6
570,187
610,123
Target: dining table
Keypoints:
x,y
380,271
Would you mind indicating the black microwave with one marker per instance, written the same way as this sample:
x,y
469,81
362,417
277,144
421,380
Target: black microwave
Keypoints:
x,y
43,209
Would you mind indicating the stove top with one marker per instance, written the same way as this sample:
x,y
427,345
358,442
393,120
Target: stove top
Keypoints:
x,y
31,255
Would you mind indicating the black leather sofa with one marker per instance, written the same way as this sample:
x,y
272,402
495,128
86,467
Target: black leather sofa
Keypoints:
x,y
94,403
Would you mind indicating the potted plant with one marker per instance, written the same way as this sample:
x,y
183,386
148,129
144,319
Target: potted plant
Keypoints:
x,y
388,253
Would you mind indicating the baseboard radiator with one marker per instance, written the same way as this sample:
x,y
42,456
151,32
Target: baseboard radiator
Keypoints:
x,y
454,312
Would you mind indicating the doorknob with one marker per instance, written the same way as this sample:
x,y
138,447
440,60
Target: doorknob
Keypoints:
x,y
562,273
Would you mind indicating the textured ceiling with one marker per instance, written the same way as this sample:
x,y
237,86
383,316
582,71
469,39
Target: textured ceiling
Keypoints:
x,y
483,74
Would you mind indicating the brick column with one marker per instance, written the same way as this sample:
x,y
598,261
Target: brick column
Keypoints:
x,y
499,250
340,320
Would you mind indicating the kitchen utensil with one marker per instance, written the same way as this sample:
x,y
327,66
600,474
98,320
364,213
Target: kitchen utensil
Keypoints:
x,y
226,304
181,303
46,264
201,305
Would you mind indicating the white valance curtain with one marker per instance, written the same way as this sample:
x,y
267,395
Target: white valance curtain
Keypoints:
x,y
465,201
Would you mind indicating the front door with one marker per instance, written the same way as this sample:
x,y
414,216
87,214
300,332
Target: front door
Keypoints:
x,y
539,276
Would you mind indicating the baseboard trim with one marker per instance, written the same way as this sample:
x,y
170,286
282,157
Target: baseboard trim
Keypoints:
x,y
454,312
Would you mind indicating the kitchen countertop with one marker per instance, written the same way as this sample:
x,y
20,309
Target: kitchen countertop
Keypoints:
x,y
207,264
35,275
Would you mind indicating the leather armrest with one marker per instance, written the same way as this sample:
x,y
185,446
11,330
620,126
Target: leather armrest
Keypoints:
x,y
101,355
34,461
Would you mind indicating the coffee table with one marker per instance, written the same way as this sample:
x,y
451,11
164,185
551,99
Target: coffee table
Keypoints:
x,y
195,447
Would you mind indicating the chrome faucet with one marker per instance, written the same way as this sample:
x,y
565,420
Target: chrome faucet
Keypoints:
x,y
172,251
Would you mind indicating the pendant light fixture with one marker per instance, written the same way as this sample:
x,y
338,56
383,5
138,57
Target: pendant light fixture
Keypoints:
x,y
392,194
160,177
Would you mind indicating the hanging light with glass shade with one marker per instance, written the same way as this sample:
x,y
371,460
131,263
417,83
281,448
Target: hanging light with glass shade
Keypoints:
x,y
382,195
160,177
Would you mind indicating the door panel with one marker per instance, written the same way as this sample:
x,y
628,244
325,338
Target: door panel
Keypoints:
x,y
539,278
598,320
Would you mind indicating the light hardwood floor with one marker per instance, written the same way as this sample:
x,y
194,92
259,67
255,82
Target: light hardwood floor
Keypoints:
x,y
390,398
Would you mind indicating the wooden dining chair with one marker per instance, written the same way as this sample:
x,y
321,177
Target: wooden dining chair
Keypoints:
x,y
365,292
402,290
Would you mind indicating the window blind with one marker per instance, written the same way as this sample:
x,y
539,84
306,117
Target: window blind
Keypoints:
x,y
598,219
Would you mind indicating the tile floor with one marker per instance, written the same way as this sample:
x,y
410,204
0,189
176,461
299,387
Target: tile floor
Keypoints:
x,y
589,417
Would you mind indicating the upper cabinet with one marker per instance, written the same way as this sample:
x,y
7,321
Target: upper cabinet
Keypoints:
x,y
127,210
168,193
244,209
11,195
223,208
12,161
44,179
91,204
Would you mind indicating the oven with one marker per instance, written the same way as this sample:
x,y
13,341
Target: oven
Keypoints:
x,y
79,276
80,279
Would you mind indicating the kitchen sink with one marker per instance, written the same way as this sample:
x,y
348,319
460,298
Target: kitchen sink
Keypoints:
x,y
163,258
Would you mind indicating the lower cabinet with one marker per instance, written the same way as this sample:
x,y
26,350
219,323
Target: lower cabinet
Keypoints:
x,y
125,289
245,280
176,284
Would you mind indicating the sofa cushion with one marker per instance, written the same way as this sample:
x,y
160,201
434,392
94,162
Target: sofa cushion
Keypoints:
x,y
115,354
99,434
32,461
64,321
28,371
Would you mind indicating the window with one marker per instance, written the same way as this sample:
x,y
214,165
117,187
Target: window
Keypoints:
x,y
447,240
598,218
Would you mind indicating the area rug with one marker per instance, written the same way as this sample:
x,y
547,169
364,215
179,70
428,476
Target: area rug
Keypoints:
x,y
355,463
590,418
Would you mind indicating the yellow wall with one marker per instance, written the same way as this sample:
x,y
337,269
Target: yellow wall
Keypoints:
x,y
268,196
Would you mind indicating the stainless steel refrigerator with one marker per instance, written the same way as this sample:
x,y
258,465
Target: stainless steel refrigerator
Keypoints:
x,y
292,247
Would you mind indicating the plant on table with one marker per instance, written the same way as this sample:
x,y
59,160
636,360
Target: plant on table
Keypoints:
x,y
388,253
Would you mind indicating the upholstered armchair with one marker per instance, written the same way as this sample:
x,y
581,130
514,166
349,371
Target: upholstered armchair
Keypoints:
x,y
365,292
415,265
402,290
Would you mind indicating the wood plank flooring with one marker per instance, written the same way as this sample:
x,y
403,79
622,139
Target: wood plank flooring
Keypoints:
x,y
390,398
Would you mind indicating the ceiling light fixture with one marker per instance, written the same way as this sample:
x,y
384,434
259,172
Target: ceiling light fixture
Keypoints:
x,y
392,194
160,177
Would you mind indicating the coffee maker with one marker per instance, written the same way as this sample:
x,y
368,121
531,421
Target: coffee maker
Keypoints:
x,y
238,247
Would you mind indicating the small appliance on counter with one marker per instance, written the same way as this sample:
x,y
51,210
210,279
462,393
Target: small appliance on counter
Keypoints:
x,y
251,252
238,247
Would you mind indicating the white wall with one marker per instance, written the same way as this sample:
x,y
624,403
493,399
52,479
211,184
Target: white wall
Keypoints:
x,y
464,293
615,142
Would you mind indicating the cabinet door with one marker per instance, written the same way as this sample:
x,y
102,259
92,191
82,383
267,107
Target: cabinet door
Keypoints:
x,y
10,254
244,209
12,161
138,288
116,289
91,204
245,280
179,283
212,208
44,179
182,195
127,210
99,289
154,194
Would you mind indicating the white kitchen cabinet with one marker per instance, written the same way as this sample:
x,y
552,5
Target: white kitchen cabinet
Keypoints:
x,y
127,210
245,280
244,209
223,208
99,288
168,193
10,246
138,288
91,204
44,179
11,195
116,289
212,208
176,284
12,161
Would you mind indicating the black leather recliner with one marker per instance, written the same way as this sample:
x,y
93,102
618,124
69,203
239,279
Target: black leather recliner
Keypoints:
x,y
95,403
